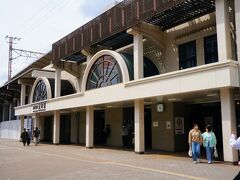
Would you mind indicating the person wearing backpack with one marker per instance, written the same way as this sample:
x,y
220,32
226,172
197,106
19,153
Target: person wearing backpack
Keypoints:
x,y
36,134
209,142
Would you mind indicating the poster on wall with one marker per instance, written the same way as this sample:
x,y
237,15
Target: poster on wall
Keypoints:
x,y
179,125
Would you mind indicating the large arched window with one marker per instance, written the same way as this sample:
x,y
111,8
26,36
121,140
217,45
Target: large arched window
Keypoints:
x,y
104,72
40,92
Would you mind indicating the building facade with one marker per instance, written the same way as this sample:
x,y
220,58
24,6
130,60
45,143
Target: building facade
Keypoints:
x,y
155,67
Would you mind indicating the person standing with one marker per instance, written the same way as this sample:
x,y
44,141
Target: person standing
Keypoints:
x,y
124,135
36,134
209,142
106,133
24,136
234,142
29,136
195,140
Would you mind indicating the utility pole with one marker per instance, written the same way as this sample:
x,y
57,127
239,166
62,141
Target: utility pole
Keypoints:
x,y
10,42
19,52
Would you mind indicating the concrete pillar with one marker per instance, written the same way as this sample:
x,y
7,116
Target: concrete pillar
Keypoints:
x,y
237,21
23,94
228,123
56,127
21,124
139,126
223,31
29,95
79,84
89,126
57,91
89,57
10,112
3,112
138,55
36,120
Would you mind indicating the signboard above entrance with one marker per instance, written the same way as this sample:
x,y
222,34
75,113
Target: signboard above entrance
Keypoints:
x,y
39,107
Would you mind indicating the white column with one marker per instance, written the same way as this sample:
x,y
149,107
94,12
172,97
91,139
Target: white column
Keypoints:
x,y
57,91
36,121
89,57
89,126
138,55
223,31
228,123
21,123
56,127
237,21
79,84
23,94
139,126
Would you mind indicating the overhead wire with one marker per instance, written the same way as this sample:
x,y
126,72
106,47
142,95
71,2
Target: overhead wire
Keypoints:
x,y
44,18
32,17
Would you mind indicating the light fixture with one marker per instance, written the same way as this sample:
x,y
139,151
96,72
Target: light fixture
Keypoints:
x,y
212,94
174,99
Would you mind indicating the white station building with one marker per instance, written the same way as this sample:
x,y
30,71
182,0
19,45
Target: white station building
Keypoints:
x,y
156,66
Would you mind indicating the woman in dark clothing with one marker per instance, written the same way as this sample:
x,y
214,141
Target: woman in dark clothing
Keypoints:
x,y
24,136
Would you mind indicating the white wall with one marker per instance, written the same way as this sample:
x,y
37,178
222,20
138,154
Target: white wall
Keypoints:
x,y
11,129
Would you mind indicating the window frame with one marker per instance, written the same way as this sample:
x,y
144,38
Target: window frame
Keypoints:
x,y
102,75
205,48
192,60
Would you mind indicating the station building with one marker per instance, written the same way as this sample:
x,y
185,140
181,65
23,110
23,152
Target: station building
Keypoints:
x,y
155,66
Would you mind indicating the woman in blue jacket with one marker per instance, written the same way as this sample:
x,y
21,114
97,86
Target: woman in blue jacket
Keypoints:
x,y
209,142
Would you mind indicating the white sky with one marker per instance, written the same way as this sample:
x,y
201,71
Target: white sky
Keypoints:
x,y
41,23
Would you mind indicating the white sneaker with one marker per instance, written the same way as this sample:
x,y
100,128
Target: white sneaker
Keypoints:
x,y
209,162
194,162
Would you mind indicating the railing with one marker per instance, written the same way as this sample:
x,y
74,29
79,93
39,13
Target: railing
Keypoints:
x,y
121,17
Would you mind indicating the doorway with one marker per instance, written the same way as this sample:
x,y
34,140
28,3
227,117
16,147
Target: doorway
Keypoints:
x,y
148,127
99,124
65,127
48,129
204,114
128,120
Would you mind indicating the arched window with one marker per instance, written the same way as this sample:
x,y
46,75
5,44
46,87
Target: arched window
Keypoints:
x,y
40,92
104,72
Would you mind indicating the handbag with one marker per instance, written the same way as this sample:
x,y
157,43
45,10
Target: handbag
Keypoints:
x,y
215,153
190,151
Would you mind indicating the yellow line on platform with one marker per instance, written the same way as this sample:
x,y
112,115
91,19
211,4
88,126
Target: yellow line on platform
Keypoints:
x,y
97,161
157,171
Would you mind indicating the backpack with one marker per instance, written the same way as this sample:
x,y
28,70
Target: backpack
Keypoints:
x,y
36,133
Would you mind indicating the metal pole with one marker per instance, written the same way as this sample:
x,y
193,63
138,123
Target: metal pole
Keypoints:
x,y
10,59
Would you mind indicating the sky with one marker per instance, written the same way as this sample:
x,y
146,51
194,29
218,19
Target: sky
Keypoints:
x,y
39,24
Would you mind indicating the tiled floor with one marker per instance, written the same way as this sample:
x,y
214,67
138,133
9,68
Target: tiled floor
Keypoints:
x,y
76,162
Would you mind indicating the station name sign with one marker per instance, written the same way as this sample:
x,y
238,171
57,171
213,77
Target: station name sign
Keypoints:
x,y
39,107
